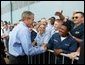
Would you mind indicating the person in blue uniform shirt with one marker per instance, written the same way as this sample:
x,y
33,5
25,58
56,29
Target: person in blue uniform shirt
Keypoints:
x,y
77,24
20,46
62,42
78,30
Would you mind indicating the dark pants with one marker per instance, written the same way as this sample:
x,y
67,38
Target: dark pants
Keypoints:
x,y
7,46
2,53
18,60
2,61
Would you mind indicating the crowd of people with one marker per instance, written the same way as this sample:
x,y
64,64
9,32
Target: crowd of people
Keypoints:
x,y
28,38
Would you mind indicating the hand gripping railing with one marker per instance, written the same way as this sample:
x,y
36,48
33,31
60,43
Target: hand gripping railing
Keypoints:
x,y
64,55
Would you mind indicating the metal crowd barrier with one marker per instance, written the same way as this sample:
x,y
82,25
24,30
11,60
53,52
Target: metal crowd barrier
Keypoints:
x,y
64,55
47,58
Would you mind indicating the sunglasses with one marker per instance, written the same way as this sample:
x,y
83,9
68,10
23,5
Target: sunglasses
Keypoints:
x,y
74,17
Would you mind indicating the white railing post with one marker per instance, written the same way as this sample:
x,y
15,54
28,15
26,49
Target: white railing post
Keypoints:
x,y
63,60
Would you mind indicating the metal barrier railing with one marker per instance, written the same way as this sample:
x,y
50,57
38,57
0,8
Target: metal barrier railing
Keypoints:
x,y
47,58
64,55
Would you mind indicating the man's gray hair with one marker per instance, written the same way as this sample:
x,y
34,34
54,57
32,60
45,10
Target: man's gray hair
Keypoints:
x,y
26,14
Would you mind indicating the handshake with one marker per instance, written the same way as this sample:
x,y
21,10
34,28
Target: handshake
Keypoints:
x,y
44,46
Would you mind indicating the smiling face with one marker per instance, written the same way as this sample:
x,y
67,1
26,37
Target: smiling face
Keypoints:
x,y
28,18
63,31
77,18
57,24
41,28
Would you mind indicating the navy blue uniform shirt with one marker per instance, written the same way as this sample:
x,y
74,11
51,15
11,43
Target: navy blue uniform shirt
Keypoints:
x,y
67,45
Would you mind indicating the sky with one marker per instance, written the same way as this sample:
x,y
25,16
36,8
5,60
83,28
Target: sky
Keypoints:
x,y
45,9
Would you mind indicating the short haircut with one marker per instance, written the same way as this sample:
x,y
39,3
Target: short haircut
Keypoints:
x,y
82,13
67,25
52,20
5,22
26,14
58,20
